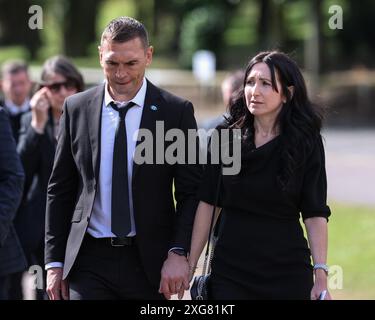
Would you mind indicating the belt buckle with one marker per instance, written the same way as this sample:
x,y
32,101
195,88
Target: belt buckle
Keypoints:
x,y
113,244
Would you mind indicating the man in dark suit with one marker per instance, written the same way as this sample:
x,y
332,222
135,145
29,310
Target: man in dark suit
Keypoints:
x,y
16,86
112,229
12,259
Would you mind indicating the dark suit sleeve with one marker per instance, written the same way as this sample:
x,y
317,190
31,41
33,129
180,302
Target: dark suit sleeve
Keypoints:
x,y
61,194
29,148
186,180
11,177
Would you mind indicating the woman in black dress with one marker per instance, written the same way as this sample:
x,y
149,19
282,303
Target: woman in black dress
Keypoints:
x,y
262,252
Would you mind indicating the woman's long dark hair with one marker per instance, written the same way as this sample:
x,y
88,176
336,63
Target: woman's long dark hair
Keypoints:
x,y
299,121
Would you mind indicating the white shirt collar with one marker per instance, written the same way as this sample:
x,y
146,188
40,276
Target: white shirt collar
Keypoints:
x,y
139,98
14,109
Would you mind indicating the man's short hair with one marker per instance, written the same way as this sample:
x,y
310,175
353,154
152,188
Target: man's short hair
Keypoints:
x,y
123,29
13,67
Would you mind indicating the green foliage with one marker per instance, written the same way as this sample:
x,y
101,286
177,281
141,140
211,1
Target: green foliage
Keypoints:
x,y
51,34
111,9
233,29
13,52
242,28
297,26
202,29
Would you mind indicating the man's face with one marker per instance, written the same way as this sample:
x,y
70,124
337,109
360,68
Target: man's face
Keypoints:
x,y
124,65
16,87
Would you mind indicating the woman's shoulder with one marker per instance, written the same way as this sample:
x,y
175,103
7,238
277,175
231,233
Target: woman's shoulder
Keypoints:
x,y
316,152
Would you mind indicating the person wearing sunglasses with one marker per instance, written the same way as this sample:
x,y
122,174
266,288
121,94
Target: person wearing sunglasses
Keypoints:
x,y
36,147
60,79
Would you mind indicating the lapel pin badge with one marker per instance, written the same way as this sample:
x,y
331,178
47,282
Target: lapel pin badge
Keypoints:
x,y
154,108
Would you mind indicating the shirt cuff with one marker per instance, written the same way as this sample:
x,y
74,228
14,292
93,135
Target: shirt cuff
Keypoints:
x,y
176,248
54,265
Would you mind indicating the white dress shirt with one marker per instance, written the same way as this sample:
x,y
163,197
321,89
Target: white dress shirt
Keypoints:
x,y
100,222
15,109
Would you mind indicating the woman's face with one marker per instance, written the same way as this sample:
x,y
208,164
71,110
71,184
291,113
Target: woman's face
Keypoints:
x,y
59,88
261,98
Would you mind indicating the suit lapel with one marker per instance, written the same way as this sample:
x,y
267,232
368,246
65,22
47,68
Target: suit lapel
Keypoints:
x,y
50,129
94,121
152,112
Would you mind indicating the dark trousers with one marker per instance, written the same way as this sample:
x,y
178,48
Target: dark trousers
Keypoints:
x,y
104,272
15,285
4,284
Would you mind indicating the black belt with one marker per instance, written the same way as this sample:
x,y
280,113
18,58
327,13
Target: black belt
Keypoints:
x,y
114,242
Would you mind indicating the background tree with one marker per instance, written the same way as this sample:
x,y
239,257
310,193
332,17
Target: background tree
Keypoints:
x,y
79,24
14,25
356,41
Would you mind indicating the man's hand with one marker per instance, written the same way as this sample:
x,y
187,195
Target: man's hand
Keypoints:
x,y
174,276
57,288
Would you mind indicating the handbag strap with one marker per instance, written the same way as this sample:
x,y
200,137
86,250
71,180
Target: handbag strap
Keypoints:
x,y
206,268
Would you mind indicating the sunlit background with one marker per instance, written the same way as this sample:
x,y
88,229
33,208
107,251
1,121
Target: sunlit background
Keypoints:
x,y
338,63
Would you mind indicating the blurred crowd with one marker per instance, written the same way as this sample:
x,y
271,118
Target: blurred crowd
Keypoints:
x,y
34,110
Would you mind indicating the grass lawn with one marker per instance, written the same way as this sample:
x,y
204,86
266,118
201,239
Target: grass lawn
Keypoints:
x,y
352,247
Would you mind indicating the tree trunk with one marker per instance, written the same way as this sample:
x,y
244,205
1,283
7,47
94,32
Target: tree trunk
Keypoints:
x,y
14,26
79,26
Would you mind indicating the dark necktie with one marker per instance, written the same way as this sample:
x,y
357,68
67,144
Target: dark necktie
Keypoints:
x,y
120,224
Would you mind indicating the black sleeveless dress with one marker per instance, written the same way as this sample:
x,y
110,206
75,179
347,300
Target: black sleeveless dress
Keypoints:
x,y
262,252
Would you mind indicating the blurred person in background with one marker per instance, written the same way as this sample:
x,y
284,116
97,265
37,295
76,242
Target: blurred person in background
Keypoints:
x,y
36,147
12,259
230,87
16,86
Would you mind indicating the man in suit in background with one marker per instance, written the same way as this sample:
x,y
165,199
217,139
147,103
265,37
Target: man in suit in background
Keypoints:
x,y
112,230
16,86
12,259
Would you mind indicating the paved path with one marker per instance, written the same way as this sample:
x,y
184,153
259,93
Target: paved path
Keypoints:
x,y
350,163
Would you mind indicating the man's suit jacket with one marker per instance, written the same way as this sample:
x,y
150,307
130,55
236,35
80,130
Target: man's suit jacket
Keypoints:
x,y
37,152
15,121
74,181
11,184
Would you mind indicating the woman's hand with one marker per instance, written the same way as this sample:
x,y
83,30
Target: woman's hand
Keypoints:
x,y
320,285
39,110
